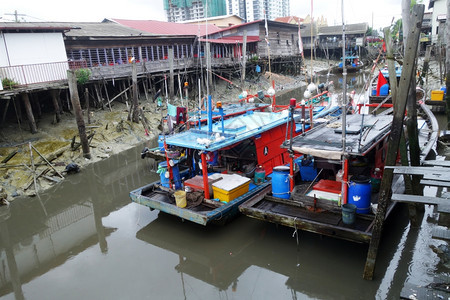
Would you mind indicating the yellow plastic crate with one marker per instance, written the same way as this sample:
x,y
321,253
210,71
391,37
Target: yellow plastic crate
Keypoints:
x,y
437,95
229,188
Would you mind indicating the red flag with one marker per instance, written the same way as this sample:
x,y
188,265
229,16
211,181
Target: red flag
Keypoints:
x,y
381,81
384,46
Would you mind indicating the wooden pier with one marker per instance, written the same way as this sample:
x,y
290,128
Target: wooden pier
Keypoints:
x,y
435,173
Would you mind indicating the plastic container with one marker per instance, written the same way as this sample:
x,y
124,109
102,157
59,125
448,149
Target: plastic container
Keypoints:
x,y
307,170
260,175
165,179
340,175
359,193
280,182
375,180
180,198
348,213
230,187
437,95
384,90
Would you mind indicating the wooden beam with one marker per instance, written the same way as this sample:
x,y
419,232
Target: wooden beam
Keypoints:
x,y
417,199
435,183
394,138
440,163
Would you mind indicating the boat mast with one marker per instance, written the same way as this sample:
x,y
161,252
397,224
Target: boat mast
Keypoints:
x,y
344,110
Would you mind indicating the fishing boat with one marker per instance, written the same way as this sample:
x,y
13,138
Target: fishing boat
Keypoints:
x,y
352,64
315,204
379,90
210,170
345,160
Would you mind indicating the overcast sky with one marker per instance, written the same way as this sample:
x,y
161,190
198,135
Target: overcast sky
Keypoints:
x,y
380,12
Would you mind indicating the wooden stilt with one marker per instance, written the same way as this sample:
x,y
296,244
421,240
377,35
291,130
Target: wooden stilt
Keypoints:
x,y
145,87
55,95
171,74
123,92
135,109
5,111
37,104
394,138
88,107
72,80
107,95
29,111
99,95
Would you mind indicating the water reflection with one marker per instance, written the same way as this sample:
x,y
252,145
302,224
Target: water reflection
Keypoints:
x,y
38,234
228,257
84,239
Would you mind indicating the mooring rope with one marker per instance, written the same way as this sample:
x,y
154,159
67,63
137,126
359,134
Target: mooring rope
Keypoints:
x,y
295,230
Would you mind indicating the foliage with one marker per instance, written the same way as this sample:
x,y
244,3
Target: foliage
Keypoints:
x,y
9,84
82,76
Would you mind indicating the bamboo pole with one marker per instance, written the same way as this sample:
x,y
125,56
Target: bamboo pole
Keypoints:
x,y
408,73
49,163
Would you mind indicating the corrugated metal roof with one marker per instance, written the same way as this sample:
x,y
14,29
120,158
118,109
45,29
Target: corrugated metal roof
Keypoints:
x,y
168,28
39,26
359,28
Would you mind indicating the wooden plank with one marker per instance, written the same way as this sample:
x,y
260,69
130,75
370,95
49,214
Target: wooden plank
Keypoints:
x,y
438,177
416,199
417,170
441,234
435,183
440,163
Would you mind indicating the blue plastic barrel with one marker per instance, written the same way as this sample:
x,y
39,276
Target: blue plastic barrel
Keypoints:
x,y
359,193
384,90
280,182
176,176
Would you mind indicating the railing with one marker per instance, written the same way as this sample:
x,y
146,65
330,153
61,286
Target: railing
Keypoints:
x,y
35,73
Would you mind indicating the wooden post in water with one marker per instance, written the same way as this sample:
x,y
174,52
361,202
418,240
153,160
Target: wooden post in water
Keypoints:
x,y
55,96
74,98
135,106
408,72
391,63
29,111
171,75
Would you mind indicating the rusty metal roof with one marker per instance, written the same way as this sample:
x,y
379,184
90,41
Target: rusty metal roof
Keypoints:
x,y
168,28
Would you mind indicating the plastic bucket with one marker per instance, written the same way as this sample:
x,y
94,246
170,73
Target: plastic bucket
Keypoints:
x,y
280,182
359,193
176,176
348,213
180,198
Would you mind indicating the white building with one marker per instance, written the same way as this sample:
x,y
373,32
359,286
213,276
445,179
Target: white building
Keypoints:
x,y
251,10
439,16
32,53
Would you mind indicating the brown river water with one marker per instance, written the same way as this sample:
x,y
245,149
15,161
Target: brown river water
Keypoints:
x,y
84,239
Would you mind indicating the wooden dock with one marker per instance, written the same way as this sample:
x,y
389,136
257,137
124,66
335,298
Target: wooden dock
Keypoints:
x,y
434,173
